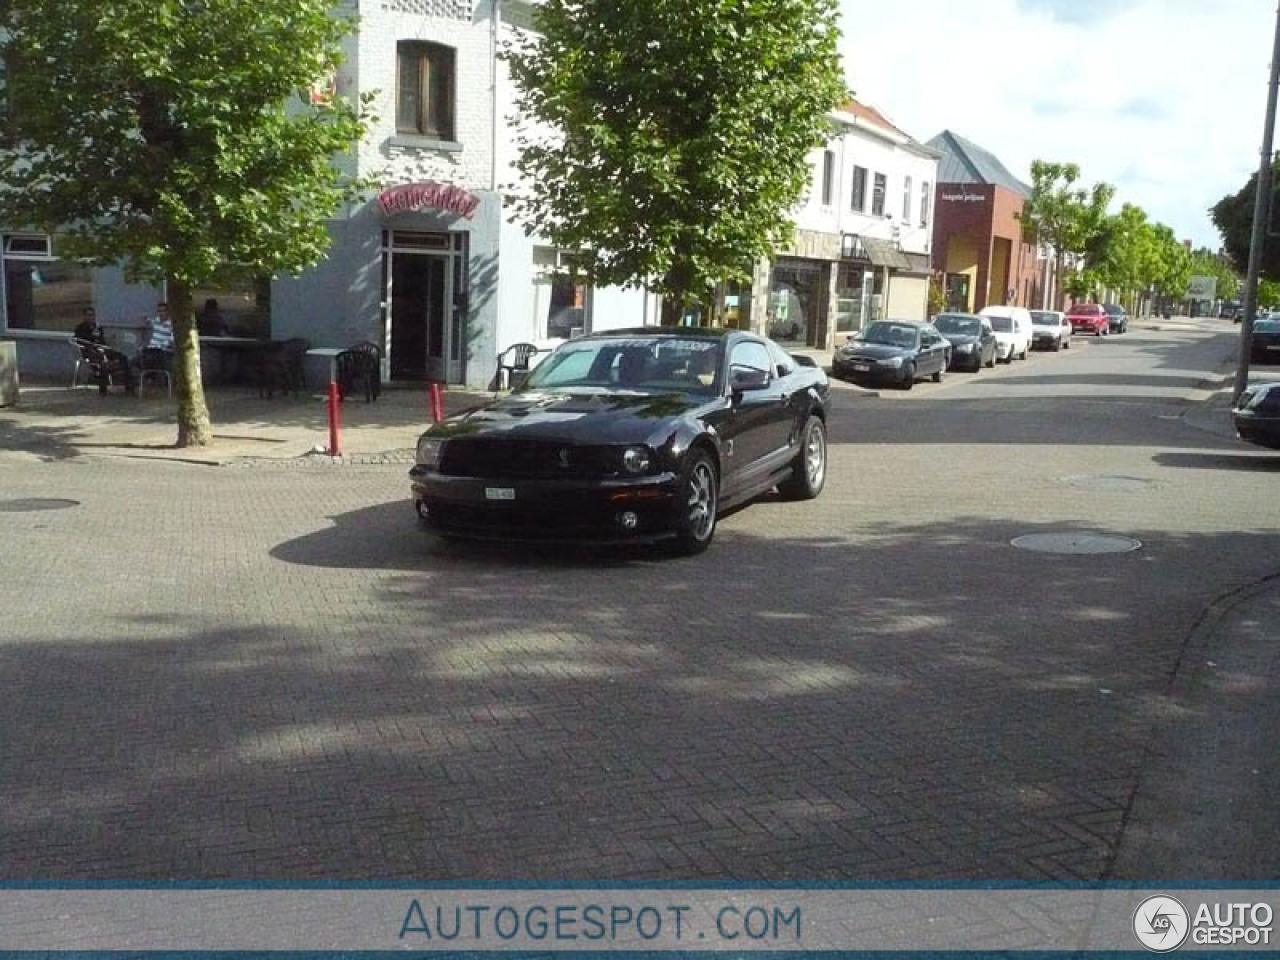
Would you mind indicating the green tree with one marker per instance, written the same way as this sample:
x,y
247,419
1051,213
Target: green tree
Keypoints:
x,y
176,137
1206,263
668,140
1070,218
1233,216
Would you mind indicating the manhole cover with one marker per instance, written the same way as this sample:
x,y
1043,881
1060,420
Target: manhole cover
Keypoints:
x,y
1076,543
32,504
1103,481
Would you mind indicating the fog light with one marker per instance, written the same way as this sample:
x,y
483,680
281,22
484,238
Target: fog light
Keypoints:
x,y
628,520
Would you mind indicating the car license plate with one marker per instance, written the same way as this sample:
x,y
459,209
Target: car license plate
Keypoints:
x,y
861,367
499,493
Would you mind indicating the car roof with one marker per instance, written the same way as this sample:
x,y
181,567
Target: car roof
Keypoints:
x,y
957,313
669,333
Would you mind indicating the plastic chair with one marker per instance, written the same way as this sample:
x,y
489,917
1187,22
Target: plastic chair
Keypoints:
x,y
81,360
156,365
515,360
360,365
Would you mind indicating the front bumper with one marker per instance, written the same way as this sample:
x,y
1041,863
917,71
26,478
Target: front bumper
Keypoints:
x,y
874,374
1090,327
607,510
1045,341
968,360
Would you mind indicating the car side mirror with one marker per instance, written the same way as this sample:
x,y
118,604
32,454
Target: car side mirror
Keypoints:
x,y
747,379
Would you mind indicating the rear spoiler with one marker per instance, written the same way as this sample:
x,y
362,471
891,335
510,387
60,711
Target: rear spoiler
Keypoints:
x,y
804,361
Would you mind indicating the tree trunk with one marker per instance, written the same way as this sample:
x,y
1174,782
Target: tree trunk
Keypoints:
x,y
672,309
1060,294
194,429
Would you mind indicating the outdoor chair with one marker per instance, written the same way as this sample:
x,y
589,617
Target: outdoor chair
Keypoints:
x,y
155,365
82,361
360,365
513,362
104,363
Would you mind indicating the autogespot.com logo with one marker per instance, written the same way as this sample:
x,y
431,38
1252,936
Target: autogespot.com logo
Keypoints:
x,y
1161,923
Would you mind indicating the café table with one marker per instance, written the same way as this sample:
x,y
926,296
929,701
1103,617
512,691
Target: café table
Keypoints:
x,y
232,352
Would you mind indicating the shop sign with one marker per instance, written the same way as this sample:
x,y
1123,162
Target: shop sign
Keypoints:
x,y
964,197
412,197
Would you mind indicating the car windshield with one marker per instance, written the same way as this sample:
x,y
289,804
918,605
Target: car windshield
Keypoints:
x,y
1114,309
1001,324
633,364
1267,325
959,326
1042,319
891,334
1086,310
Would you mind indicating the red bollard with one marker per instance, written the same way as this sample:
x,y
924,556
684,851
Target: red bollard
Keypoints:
x,y
335,421
437,402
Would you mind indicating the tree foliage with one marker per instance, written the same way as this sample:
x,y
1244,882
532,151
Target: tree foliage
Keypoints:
x,y
1233,216
668,140
1070,218
176,137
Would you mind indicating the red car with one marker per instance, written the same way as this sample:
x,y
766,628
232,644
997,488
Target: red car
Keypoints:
x,y
1088,318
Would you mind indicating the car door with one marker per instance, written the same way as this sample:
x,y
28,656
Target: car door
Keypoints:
x,y
932,353
761,419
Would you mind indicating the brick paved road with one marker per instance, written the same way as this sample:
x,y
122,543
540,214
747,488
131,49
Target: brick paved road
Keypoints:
x,y
268,673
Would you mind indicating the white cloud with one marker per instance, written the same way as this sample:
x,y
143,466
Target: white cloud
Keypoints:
x,y
1162,98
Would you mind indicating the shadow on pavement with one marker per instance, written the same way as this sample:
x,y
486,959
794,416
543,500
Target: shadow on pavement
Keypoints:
x,y
1260,463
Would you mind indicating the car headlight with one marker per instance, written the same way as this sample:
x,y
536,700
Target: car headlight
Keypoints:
x,y
637,460
429,450
894,362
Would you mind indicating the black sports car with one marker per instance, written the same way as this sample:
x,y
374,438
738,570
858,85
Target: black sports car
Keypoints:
x,y
893,351
973,342
1257,415
631,435
1265,345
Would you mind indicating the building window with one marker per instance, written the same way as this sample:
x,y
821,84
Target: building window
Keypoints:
x,y
40,291
906,200
877,195
424,94
559,296
858,193
924,204
828,176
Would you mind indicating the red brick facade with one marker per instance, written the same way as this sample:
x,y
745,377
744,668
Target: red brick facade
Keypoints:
x,y
977,236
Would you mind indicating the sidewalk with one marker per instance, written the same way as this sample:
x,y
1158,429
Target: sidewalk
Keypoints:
x,y
1205,808
54,423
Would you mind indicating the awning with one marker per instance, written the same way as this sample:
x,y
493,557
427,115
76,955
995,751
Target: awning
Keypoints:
x,y
919,263
882,253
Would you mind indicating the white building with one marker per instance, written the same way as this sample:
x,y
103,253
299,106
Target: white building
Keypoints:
x,y
863,235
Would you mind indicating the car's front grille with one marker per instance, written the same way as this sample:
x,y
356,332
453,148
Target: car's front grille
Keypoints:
x,y
524,458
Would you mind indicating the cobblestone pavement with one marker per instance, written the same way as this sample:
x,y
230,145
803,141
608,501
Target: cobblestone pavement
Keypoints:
x,y
266,673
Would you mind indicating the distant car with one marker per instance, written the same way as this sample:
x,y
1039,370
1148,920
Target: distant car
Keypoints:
x,y
894,352
1050,330
1089,318
1012,327
1265,345
973,342
1257,415
630,435
1117,318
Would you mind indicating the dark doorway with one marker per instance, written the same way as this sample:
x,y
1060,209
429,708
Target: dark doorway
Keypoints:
x,y
417,313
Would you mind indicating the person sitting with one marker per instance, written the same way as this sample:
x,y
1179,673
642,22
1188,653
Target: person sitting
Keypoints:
x,y
210,323
106,361
160,333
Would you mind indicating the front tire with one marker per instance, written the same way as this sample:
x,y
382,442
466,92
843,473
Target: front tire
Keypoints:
x,y
990,364
698,505
809,474
937,376
909,377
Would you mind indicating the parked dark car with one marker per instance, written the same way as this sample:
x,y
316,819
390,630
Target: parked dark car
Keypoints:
x,y
1265,345
894,352
1117,318
631,435
973,342
1257,415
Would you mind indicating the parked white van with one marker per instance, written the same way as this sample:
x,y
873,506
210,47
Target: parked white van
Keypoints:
x,y
1012,327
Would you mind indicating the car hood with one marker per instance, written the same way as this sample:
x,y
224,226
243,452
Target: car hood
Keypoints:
x,y
876,351
960,339
572,417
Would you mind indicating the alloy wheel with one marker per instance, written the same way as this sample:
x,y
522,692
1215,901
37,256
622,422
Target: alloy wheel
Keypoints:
x,y
815,456
702,501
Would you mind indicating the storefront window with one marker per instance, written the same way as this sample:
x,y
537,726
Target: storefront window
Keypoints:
x,y
42,292
560,298
240,309
852,287
793,301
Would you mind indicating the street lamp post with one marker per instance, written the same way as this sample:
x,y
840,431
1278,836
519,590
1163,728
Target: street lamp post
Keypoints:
x,y
1261,205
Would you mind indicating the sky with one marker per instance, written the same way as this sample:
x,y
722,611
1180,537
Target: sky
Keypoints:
x,y
1163,99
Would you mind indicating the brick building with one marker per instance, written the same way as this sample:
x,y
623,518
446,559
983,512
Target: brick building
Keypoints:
x,y
979,252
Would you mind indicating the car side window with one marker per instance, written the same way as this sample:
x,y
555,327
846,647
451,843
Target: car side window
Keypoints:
x,y
752,354
782,361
